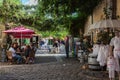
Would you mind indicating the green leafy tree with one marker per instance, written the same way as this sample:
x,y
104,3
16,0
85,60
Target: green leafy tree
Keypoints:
x,y
52,15
10,10
61,13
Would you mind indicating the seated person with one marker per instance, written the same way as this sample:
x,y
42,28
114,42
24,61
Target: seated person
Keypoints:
x,y
18,51
14,55
23,47
28,51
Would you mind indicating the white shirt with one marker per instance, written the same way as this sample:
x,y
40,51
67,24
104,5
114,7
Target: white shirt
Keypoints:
x,y
13,51
115,42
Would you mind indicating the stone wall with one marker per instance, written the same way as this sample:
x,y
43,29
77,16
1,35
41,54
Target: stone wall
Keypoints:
x,y
98,14
118,9
2,37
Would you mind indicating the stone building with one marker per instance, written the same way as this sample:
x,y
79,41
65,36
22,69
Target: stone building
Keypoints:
x,y
2,38
99,14
2,35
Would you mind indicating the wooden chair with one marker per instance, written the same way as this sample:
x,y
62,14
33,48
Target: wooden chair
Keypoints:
x,y
9,57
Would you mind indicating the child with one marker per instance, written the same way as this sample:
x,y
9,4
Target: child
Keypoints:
x,y
111,67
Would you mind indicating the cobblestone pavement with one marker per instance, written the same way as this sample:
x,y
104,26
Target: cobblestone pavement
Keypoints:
x,y
51,69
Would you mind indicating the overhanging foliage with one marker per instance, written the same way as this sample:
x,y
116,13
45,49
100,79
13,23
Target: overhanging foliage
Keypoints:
x,y
52,15
61,12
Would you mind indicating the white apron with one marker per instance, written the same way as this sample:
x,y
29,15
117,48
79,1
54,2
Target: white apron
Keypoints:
x,y
103,54
96,48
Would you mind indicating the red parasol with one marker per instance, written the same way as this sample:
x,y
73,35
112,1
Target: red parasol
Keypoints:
x,y
20,32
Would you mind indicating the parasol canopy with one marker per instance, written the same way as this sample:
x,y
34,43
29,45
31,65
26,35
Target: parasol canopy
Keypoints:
x,y
109,23
20,32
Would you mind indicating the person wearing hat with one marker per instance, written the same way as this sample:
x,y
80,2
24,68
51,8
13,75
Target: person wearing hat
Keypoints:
x,y
115,50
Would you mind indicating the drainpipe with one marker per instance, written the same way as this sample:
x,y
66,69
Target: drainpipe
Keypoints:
x,y
114,8
92,18
92,32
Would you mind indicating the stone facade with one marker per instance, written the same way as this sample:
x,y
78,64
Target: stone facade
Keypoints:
x,y
2,38
2,35
98,14
118,9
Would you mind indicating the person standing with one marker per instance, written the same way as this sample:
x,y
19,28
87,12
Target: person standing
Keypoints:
x,y
9,41
27,53
111,67
67,46
115,50
55,45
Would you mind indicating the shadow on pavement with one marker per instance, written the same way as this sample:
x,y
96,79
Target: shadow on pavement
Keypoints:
x,y
44,59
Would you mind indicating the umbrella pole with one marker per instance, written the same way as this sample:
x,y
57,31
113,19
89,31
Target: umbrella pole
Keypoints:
x,y
21,40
